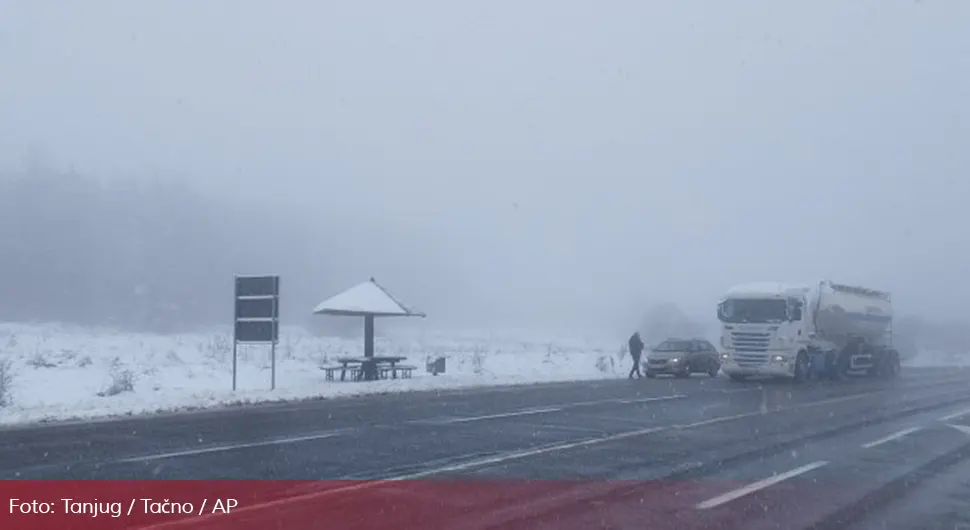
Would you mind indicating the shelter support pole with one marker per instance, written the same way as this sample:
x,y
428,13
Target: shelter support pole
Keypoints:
x,y
368,335
235,347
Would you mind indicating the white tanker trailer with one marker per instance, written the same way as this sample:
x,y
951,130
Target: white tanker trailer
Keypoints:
x,y
799,331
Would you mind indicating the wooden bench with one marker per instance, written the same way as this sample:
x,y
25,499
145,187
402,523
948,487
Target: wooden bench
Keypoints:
x,y
388,370
331,370
356,371
406,370
385,369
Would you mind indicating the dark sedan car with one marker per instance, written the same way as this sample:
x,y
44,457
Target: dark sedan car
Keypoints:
x,y
682,358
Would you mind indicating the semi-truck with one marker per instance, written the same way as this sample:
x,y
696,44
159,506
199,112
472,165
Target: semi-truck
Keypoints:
x,y
819,330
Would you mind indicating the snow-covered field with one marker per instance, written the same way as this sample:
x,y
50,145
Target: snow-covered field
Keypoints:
x,y
929,359
63,372
56,372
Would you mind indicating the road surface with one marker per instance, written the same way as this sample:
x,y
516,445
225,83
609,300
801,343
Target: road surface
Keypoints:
x,y
663,453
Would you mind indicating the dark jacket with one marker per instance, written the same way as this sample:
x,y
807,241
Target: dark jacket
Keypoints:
x,y
636,345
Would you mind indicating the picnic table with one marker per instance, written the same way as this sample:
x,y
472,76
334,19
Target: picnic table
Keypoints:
x,y
369,368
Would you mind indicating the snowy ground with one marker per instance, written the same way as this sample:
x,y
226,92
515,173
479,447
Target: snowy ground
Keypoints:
x,y
930,359
61,372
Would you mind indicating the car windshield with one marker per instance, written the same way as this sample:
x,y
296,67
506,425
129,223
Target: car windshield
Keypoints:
x,y
740,311
673,345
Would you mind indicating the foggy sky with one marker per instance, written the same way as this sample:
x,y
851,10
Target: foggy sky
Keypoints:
x,y
561,161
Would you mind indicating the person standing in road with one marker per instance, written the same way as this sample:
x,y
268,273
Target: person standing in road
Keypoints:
x,y
636,350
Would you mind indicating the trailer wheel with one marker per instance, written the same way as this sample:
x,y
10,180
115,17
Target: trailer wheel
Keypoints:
x,y
840,366
892,365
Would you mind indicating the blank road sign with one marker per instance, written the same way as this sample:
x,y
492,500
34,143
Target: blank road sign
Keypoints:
x,y
257,286
257,331
256,307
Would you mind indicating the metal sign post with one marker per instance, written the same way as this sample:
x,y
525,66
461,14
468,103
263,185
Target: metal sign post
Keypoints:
x,y
257,317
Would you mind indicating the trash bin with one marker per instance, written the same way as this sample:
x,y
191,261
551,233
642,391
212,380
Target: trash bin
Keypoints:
x,y
436,366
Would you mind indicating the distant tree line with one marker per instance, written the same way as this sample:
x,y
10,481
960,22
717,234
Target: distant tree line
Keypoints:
x,y
146,255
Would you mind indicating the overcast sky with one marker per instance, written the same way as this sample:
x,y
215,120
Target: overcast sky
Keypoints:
x,y
573,159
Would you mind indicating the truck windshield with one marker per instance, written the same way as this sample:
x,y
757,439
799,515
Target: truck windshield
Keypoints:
x,y
740,311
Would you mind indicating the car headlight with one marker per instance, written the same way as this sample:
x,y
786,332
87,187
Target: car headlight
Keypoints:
x,y
725,356
778,358
675,360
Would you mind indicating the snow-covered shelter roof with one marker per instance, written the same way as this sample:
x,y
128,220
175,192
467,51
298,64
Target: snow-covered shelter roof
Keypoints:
x,y
367,298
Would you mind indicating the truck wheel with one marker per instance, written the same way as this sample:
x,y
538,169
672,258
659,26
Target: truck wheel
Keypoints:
x,y
801,367
892,365
840,368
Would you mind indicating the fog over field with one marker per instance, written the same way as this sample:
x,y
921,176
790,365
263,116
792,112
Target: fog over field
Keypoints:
x,y
540,165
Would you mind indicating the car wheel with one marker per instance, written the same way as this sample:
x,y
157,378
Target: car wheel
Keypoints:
x,y
685,373
714,370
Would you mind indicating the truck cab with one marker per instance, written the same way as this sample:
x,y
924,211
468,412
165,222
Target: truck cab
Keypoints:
x,y
763,329
828,329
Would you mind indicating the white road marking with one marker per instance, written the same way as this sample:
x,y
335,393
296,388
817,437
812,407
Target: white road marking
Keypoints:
x,y
623,401
760,485
962,428
517,455
494,460
231,447
529,412
648,400
955,415
891,437
734,390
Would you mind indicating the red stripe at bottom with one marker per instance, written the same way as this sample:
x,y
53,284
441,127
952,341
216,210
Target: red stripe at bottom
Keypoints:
x,y
372,505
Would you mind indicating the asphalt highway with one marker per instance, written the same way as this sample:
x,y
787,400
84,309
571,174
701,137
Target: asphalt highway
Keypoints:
x,y
663,453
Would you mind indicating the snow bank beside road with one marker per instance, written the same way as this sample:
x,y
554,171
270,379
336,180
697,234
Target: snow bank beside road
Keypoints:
x,y
61,372
935,359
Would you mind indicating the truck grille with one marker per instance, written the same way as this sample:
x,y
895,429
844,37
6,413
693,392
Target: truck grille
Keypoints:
x,y
750,359
750,348
748,341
